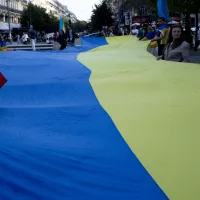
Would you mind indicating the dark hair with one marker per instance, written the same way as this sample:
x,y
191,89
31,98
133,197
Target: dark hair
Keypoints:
x,y
177,42
162,18
62,31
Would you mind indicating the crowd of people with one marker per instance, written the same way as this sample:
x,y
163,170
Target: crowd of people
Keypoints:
x,y
25,38
60,39
167,41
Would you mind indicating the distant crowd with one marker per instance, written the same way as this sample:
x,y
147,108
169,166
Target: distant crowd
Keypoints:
x,y
167,40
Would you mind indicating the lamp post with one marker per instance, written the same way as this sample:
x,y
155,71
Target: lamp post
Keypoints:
x,y
69,19
8,9
30,2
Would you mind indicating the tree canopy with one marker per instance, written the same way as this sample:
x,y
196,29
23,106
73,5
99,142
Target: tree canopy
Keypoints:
x,y
37,16
101,16
42,21
191,6
80,26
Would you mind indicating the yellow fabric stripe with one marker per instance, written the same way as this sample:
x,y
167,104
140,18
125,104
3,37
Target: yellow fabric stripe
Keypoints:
x,y
156,107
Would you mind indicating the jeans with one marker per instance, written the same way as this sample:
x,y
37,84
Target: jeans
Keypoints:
x,y
33,41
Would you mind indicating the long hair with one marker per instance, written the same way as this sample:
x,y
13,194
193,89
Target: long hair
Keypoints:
x,y
177,42
63,33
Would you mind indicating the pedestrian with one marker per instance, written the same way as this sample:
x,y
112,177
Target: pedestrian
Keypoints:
x,y
70,36
18,38
55,35
161,35
61,39
134,31
25,38
32,34
177,49
198,40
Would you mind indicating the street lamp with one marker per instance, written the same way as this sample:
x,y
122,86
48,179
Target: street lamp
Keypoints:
x,y
30,2
69,19
8,9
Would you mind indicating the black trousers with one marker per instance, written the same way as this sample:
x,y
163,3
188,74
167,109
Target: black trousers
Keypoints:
x,y
161,49
63,46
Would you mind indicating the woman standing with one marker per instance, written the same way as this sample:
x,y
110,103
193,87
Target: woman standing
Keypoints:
x,y
61,39
177,49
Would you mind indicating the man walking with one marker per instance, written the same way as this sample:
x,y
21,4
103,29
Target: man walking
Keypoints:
x,y
70,36
32,34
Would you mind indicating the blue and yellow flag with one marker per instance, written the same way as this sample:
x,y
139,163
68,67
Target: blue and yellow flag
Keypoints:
x,y
163,10
62,24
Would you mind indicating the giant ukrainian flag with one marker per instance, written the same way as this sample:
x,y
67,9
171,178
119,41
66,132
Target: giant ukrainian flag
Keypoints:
x,y
113,125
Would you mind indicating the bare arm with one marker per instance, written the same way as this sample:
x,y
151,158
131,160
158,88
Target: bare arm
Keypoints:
x,y
159,38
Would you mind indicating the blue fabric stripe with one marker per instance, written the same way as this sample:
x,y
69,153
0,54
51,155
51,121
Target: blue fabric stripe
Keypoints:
x,y
57,142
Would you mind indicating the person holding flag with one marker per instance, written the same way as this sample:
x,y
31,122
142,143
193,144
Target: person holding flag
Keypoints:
x,y
60,43
161,35
61,39
160,38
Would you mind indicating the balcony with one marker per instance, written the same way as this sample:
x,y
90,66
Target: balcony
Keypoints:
x,y
11,9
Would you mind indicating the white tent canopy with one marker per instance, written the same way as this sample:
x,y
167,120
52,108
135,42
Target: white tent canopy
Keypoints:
x,y
3,26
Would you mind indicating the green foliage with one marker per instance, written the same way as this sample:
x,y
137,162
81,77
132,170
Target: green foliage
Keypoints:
x,y
101,16
80,26
191,6
134,3
38,17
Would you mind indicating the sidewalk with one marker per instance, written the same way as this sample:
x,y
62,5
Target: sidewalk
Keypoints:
x,y
195,56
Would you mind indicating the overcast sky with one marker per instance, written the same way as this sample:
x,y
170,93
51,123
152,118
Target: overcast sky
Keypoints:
x,y
81,8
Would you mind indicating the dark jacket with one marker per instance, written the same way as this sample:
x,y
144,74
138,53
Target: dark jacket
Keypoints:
x,y
61,39
32,34
74,36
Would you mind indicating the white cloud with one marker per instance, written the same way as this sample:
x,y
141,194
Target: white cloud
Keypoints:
x,y
81,8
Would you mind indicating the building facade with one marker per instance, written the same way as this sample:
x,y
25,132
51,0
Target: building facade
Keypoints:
x,y
56,8
129,12
15,7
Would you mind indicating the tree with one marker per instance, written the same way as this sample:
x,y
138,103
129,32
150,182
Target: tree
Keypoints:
x,y
37,16
80,26
101,16
183,6
134,3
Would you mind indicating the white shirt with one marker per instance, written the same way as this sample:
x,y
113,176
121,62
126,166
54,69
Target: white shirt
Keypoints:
x,y
135,31
24,37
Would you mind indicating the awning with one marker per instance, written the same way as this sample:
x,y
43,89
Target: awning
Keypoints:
x,y
3,26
